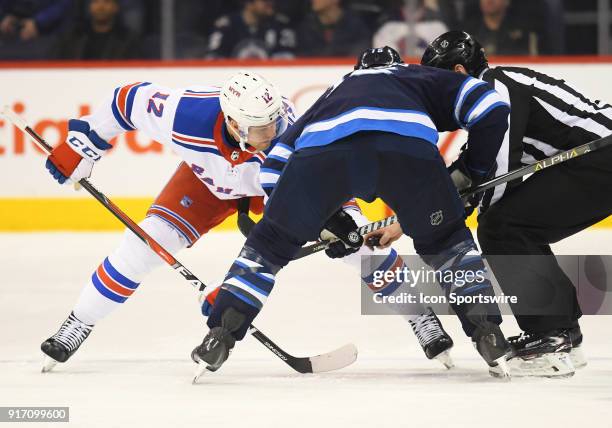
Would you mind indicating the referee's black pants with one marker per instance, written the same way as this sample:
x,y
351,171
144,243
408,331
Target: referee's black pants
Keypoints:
x,y
548,207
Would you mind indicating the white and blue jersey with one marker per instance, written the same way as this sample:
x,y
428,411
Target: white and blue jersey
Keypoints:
x,y
190,122
409,100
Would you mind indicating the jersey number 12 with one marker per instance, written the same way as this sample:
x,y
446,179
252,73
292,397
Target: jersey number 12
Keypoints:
x,y
157,109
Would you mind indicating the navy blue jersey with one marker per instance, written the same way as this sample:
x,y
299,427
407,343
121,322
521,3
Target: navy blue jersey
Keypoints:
x,y
409,100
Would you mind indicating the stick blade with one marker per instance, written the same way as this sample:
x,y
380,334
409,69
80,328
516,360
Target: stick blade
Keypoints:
x,y
334,360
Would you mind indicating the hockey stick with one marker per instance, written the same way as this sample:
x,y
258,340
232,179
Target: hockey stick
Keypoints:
x,y
245,223
333,360
505,178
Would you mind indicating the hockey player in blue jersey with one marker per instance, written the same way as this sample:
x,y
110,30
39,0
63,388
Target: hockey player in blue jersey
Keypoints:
x,y
373,134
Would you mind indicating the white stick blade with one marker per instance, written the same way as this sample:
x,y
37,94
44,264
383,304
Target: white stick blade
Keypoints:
x,y
334,360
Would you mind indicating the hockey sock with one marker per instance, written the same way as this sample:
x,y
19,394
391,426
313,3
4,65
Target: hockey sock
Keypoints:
x,y
462,272
246,288
120,274
368,261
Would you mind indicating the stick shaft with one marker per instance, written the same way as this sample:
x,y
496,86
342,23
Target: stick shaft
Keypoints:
x,y
541,165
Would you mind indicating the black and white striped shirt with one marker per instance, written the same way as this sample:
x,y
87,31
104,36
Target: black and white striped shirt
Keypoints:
x,y
547,116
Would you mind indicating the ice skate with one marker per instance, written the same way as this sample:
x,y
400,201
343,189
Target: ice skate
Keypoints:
x,y
493,347
541,355
576,354
217,344
63,344
434,340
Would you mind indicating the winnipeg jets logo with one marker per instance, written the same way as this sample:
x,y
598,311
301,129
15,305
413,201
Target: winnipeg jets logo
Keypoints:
x,y
444,44
436,218
353,237
235,155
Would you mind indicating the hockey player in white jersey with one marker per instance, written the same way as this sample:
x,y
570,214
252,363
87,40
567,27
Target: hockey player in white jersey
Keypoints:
x,y
222,135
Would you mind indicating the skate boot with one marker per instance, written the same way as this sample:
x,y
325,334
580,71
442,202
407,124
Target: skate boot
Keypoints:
x,y
436,342
217,344
491,344
542,354
576,355
59,347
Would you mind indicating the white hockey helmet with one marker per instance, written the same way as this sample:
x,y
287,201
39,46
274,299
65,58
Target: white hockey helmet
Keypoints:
x,y
256,106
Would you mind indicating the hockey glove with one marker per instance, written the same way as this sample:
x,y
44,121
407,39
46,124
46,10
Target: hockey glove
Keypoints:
x,y
74,159
209,300
463,178
341,226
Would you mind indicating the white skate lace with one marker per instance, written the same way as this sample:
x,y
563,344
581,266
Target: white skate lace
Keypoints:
x,y
426,328
72,333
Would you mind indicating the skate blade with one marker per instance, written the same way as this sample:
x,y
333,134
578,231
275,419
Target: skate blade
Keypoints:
x,y
445,359
554,365
501,370
578,359
48,364
202,368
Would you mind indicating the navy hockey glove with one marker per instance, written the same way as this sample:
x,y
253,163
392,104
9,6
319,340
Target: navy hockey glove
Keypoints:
x,y
463,178
342,226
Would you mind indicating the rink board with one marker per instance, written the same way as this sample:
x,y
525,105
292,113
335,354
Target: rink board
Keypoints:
x,y
48,94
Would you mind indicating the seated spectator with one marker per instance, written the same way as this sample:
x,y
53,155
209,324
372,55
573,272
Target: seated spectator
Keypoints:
x,y
28,28
332,30
397,31
256,31
102,37
28,19
501,32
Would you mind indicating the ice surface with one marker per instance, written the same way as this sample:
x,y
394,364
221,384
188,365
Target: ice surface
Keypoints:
x,y
135,371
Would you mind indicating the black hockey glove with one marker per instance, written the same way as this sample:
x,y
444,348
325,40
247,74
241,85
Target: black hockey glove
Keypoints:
x,y
342,226
464,178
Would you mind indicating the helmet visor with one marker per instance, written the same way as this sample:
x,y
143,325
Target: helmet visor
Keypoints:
x,y
256,136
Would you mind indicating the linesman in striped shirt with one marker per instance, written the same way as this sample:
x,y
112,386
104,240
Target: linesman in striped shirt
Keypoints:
x,y
518,221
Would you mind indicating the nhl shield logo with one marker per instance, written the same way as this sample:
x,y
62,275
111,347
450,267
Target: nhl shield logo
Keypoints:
x,y
186,201
235,155
353,237
436,218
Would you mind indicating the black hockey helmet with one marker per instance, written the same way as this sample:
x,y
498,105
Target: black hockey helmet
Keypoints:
x,y
456,47
378,57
